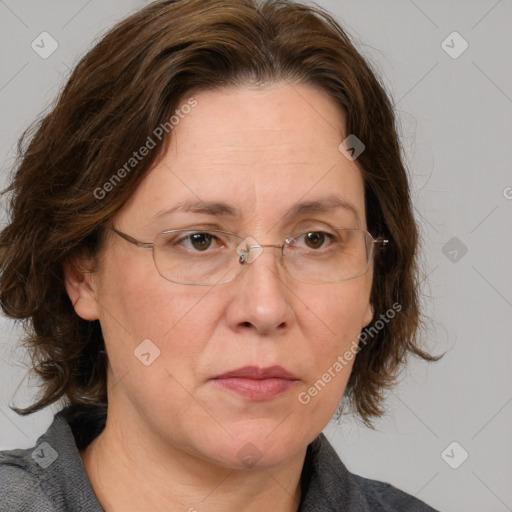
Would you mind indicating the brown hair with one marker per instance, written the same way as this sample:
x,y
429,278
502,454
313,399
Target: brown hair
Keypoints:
x,y
131,82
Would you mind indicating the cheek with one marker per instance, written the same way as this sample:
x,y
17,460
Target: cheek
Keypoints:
x,y
332,323
137,299
137,304
151,329
339,312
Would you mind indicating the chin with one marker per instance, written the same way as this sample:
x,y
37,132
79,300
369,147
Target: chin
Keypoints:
x,y
252,448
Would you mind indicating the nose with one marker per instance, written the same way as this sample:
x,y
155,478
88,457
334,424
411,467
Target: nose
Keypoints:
x,y
261,298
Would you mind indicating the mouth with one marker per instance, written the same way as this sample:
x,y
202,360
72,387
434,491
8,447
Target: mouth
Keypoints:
x,y
255,383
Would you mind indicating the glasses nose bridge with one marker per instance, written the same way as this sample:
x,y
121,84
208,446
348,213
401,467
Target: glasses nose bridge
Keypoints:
x,y
253,250
277,246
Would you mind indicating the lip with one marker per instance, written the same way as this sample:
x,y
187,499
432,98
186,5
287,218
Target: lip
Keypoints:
x,y
257,373
255,383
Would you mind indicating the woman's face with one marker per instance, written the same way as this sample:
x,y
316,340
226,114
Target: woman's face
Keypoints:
x,y
261,153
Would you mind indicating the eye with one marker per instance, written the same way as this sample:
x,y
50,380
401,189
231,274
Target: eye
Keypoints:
x,y
189,242
314,239
201,241
198,241
194,241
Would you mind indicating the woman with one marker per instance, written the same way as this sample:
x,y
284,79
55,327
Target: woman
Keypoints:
x,y
212,240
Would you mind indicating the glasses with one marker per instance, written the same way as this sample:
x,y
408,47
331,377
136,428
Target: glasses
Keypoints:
x,y
212,257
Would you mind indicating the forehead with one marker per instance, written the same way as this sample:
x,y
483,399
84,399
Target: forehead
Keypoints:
x,y
259,150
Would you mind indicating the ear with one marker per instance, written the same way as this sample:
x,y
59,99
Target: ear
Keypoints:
x,y
368,314
79,282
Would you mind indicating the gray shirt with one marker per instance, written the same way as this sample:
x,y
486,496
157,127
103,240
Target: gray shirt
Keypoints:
x,y
51,478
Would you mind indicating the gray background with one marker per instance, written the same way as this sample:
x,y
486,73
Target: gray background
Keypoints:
x,y
455,116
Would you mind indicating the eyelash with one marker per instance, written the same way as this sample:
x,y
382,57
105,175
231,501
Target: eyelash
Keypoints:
x,y
328,237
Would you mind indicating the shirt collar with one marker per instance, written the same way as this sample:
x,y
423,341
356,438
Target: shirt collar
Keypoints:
x,y
326,483
64,480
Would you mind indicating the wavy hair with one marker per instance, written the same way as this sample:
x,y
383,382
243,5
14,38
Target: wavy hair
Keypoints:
x,y
132,81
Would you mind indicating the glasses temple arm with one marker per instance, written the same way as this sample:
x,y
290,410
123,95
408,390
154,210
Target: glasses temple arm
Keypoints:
x,y
128,238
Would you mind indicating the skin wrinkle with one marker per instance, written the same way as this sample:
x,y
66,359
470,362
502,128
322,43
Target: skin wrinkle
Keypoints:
x,y
327,204
261,318
92,160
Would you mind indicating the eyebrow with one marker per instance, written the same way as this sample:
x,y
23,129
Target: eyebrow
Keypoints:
x,y
205,207
322,205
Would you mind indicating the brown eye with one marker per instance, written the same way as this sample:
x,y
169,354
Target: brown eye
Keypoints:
x,y
201,241
314,239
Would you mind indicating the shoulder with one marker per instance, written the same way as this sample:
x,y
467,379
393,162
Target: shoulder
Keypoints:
x,y
20,487
384,497
50,477
329,486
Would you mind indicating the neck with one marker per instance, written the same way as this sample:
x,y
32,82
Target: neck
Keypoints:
x,y
130,472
